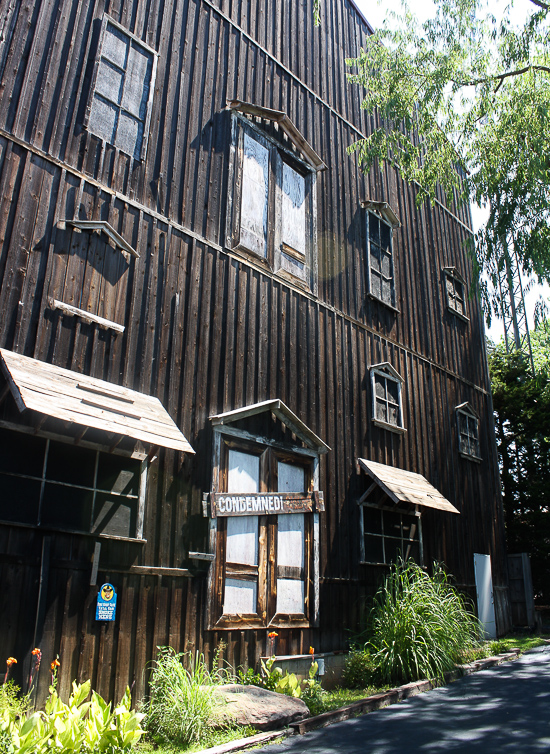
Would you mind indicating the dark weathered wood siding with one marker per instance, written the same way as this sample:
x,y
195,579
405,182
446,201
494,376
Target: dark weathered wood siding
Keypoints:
x,y
207,332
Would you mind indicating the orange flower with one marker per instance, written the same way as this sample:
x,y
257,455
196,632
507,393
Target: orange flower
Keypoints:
x,y
273,634
36,651
11,661
311,651
55,664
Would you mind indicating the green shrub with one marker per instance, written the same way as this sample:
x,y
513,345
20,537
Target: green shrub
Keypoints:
x,y
419,625
359,669
79,727
11,699
181,705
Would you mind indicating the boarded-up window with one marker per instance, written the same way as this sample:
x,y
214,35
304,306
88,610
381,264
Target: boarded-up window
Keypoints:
x,y
387,410
290,545
264,561
254,197
380,260
389,535
241,574
121,97
468,433
273,206
61,486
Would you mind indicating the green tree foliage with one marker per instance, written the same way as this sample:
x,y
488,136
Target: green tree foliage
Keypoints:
x,y
463,101
522,419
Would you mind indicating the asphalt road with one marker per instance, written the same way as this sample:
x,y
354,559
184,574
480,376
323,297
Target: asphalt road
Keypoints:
x,y
503,709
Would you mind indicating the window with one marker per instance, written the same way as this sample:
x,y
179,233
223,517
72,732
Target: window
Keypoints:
x,y
390,534
264,558
468,432
119,110
61,486
455,291
381,221
273,205
387,409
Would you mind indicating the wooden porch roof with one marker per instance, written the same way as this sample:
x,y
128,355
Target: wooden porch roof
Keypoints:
x,y
405,486
89,402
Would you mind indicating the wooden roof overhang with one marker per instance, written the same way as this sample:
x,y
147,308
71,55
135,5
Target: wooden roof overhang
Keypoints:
x,y
384,210
283,413
104,227
402,486
286,125
77,399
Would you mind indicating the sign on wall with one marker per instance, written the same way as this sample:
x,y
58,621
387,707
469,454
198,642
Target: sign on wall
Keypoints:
x,y
265,503
106,603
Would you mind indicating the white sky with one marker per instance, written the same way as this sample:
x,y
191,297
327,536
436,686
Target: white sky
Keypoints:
x,y
374,13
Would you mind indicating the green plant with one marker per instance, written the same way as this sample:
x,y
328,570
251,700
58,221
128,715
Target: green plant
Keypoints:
x,y
181,705
248,677
312,691
79,727
13,701
359,669
274,679
420,625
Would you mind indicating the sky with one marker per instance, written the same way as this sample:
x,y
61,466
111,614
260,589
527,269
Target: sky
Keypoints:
x,y
374,12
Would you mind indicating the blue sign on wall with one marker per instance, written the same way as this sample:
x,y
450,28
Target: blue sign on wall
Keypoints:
x,y
106,603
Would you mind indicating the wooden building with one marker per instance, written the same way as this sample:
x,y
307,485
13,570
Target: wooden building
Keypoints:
x,y
226,354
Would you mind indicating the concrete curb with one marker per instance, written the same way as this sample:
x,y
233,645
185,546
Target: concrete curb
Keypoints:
x,y
369,704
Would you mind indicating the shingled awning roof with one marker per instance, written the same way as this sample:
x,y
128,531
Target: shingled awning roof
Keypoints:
x,y
89,402
404,486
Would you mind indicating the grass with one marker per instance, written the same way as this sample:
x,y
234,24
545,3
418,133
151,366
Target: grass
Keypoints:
x,y
419,625
338,697
181,707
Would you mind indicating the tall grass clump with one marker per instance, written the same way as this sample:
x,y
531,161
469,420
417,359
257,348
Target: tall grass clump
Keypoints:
x,y
419,625
181,705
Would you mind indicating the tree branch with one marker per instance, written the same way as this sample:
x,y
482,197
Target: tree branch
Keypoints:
x,y
540,4
501,76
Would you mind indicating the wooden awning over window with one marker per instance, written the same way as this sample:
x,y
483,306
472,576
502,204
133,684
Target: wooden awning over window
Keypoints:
x,y
278,116
404,486
89,402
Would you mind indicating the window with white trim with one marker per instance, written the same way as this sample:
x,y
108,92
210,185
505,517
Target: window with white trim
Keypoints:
x,y
468,432
121,96
273,205
455,291
387,406
62,486
389,534
380,262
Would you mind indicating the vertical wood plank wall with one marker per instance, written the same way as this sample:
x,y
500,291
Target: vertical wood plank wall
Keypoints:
x,y
207,332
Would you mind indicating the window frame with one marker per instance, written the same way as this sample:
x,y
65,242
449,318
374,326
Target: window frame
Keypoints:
x,y
134,39
393,287
452,274
465,410
387,372
270,452
385,508
279,256
95,448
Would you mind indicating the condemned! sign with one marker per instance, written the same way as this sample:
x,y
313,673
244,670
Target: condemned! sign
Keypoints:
x,y
258,504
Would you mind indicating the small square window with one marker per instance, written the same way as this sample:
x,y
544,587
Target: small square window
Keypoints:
x,y
455,291
387,409
119,110
468,432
